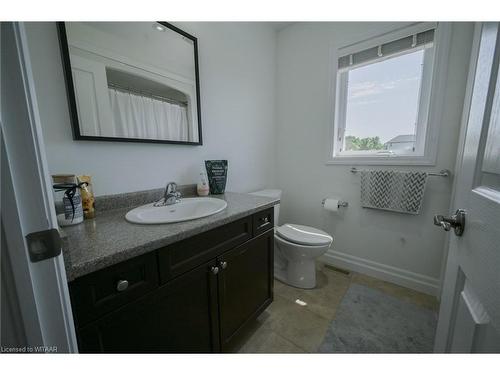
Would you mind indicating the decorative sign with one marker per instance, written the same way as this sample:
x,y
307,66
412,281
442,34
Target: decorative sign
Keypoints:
x,y
217,175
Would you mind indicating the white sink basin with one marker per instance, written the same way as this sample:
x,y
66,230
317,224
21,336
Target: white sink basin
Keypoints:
x,y
186,209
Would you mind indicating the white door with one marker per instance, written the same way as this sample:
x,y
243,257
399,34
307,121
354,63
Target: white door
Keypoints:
x,y
39,286
469,317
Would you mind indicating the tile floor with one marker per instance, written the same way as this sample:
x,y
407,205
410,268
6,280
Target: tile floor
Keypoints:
x,y
287,327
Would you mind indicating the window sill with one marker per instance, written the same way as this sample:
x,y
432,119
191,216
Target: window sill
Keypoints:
x,y
381,160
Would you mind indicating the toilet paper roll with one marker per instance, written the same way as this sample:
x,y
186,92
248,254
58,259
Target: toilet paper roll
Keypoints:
x,y
331,204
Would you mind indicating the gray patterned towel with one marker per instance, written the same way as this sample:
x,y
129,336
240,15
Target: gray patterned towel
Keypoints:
x,y
393,191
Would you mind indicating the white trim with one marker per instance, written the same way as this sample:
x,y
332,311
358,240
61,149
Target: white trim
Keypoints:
x,y
42,286
381,160
66,331
442,43
442,40
341,104
483,62
387,37
387,57
20,268
399,276
424,96
36,128
421,122
476,41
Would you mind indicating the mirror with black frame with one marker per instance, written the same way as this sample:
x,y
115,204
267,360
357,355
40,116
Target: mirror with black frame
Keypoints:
x,y
132,81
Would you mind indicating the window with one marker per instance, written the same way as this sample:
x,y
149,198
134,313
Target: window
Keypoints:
x,y
383,97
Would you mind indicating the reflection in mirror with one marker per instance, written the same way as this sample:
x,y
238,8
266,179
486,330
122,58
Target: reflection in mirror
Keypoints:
x,y
132,81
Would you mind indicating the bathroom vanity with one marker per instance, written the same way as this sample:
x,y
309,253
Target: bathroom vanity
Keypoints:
x,y
182,287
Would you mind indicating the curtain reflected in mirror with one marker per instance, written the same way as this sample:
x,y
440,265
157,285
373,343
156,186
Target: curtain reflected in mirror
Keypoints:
x,y
138,116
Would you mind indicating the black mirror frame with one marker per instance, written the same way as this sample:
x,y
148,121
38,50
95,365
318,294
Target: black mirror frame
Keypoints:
x,y
70,92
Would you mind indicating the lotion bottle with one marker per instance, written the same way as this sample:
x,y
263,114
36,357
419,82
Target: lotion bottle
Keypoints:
x,y
202,187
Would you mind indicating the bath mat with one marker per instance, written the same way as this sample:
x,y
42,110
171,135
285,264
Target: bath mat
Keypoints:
x,y
370,321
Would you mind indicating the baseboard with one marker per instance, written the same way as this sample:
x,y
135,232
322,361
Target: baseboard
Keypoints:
x,y
408,279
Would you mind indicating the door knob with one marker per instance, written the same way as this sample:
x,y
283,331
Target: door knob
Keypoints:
x,y
214,270
455,221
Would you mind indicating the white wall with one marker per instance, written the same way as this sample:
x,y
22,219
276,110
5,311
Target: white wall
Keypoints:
x,y
243,69
401,248
237,79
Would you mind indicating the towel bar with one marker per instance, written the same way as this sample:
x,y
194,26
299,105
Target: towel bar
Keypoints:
x,y
441,173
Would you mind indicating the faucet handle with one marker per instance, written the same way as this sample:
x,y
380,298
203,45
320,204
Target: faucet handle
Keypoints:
x,y
171,187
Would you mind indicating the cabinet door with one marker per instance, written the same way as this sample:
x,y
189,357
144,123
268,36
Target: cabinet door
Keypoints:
x,y
179,317
245,285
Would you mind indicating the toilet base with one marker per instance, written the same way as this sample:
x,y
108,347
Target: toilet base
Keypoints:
x,y
299,274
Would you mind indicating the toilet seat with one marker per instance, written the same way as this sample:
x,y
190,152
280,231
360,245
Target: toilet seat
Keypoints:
x,y
303,235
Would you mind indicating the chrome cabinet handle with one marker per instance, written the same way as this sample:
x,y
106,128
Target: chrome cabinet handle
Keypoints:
x,y
223,265
455,221
214,270
264,221
121,285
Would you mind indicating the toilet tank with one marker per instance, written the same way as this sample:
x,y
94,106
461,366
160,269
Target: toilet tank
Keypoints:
x,y
271,193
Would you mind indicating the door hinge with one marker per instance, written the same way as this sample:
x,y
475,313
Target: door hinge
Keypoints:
x,y
44,244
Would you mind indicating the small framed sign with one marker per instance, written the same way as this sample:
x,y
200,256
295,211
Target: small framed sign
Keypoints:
x,y
217,175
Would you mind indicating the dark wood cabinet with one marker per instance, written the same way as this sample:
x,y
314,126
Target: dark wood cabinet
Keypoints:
x,y
97,294
182,256
180,302
180,317
263,221
130,329
245,285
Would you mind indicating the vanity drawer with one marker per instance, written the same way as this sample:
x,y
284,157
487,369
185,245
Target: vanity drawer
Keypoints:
x,y
183,256
103,291
262,221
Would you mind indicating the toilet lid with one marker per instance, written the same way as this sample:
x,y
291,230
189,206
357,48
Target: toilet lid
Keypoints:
x,y
302,235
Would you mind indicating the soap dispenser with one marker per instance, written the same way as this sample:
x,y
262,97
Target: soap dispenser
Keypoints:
x,y
202,187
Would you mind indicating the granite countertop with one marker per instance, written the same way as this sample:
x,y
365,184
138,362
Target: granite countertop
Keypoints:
x,y
109,238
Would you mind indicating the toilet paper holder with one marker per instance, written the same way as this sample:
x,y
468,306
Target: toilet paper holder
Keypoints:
x,y
341,203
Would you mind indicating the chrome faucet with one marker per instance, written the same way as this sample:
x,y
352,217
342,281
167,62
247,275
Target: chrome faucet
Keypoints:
x,y
170,197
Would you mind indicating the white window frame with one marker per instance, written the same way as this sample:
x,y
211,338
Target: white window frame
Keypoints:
x,y
430,100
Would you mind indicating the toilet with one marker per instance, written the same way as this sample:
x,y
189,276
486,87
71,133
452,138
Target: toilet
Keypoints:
x,y
296,248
